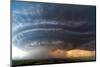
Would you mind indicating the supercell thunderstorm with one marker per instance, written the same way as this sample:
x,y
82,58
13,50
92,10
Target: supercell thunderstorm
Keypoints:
x,y
44,29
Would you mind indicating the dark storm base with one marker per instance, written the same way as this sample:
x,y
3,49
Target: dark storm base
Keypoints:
x,y
48,61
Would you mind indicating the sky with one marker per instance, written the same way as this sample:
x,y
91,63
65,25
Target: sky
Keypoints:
x,y
60,25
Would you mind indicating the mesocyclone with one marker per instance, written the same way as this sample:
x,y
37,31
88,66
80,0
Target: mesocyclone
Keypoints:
x,y
41,24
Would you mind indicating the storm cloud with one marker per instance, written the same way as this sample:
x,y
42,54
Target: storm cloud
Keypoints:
x,y
69,26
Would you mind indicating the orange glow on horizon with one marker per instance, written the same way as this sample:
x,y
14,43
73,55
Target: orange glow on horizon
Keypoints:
x,y
72,54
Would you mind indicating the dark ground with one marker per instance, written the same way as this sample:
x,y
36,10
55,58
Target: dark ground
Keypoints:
x,y
46,61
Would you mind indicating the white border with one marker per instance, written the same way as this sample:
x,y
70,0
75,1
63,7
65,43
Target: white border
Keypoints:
x,y
84,2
